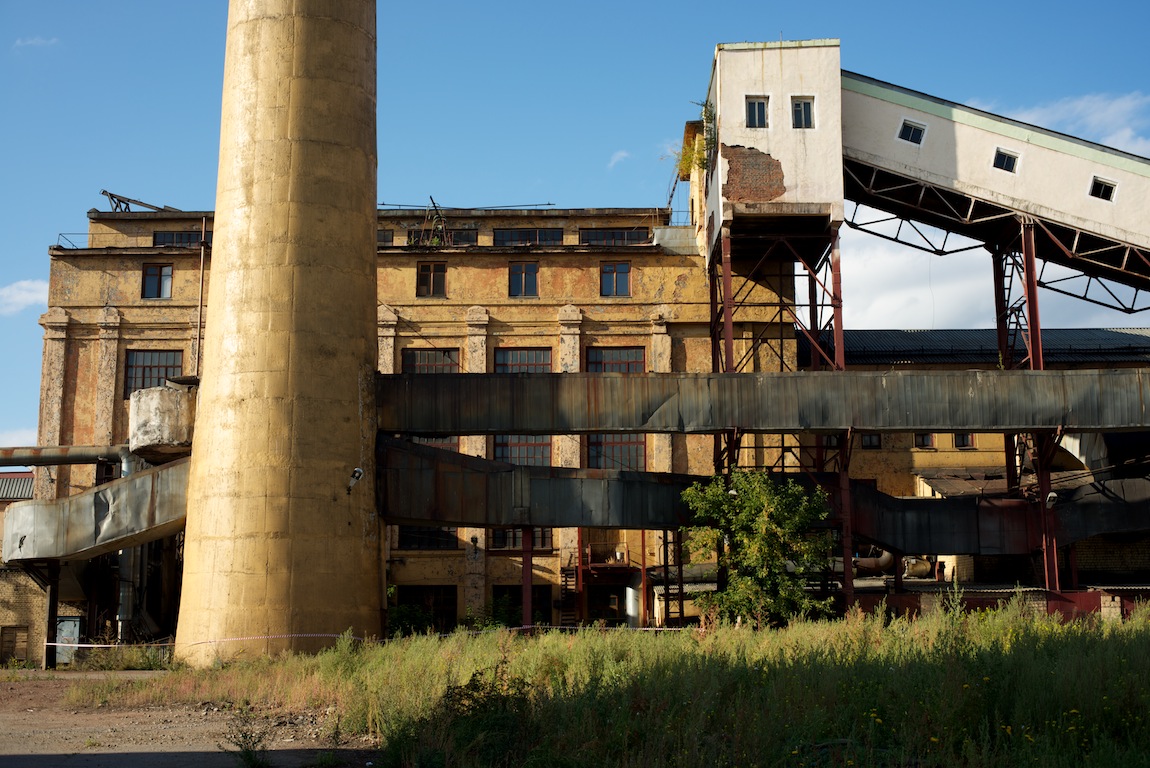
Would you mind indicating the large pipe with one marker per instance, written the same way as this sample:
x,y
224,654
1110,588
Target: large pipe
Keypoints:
x,y
280,553
55,455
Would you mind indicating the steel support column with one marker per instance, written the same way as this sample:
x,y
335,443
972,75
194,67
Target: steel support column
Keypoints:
x,y
1006,358
50,634
1030,286
1041,455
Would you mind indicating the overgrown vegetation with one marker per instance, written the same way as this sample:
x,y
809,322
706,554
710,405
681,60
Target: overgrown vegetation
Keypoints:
x,y
998,688
764,534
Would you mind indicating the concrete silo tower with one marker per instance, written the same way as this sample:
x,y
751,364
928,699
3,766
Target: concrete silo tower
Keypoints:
x,y
280,550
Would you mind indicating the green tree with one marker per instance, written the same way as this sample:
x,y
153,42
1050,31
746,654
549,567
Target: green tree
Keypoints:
x,y
769,546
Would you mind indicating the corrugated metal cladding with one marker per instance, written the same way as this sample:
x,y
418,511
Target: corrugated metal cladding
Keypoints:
x,y
892,401
15,486
1061,346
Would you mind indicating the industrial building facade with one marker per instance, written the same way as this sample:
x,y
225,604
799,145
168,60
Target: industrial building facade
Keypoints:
x,y
787,150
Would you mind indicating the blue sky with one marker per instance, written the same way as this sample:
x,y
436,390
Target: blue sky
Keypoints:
x,y
517,103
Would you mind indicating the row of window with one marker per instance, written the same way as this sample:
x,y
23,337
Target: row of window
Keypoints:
x,y
522,279
431,279
1006,160
873,440
802,112
517,236
434,537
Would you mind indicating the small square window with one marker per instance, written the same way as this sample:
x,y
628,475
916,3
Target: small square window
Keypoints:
x,y
923,440
157,282
1102,189
384,237
431,279
803,112
963,440
1005,161
912,132
871,441
757,112
615,279
522,278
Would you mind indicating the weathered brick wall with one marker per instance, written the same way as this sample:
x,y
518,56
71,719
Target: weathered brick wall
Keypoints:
x,y
752,175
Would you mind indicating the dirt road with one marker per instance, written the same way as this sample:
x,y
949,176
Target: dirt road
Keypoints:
x,y
39,729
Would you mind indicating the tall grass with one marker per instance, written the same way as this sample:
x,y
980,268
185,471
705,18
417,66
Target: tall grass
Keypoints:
x,y
997,688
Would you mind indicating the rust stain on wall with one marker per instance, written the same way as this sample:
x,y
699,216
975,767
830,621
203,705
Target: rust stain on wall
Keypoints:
x,y
752,175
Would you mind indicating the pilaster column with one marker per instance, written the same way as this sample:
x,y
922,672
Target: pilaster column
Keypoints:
x,y
475,361
107,392
55,322
475,539
661,457
386,320
565,448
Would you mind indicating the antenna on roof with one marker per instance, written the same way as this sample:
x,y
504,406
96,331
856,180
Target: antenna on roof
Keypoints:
x,y
121,204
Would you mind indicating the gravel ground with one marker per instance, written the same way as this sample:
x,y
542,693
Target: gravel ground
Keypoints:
x,y
38,729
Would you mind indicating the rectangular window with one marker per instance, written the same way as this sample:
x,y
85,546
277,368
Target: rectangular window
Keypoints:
x,y
871,441
442,238
13,644
384,238
1102,189
527,236
180,239
615,279
757,112
512,538
430,361
150,368
615,360
527,450
803,111
830,441
912,132
431,279
427,537
923,440
963,439
1005,161
617,451
426,607
606,236
522,278
157,282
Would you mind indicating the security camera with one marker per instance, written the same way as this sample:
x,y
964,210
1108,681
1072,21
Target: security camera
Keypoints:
x,y
356,474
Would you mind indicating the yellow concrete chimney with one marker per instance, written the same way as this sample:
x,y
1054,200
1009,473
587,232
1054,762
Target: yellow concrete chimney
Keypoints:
x,y
281,549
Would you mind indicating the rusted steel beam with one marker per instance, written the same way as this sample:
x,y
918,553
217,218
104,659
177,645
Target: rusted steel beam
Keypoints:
x,y
47,456
782,403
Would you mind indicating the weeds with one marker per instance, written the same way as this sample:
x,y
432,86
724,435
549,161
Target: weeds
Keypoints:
x,y
247,736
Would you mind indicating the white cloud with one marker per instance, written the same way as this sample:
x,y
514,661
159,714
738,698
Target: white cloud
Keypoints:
x,y
892,286
617,158
18,438
35,42
1119,120
22,294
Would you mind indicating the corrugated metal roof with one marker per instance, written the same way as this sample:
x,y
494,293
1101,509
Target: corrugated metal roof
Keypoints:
x,y
15,486
1061,346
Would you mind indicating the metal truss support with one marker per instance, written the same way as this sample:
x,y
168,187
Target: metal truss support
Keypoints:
x,y
1042,452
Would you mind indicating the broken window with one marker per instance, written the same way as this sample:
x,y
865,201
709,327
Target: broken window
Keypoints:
x,y
757,112
912,132
145,368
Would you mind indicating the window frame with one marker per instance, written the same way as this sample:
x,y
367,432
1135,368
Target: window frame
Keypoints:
x,y
1009,158
142,371
610,237
964,441
509,540
609,287
613,450
803,113
909,130
422,538
158,286
924,440
1106,189
519,237
615,359
870,441
517,279
426,284
180,238
760,119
